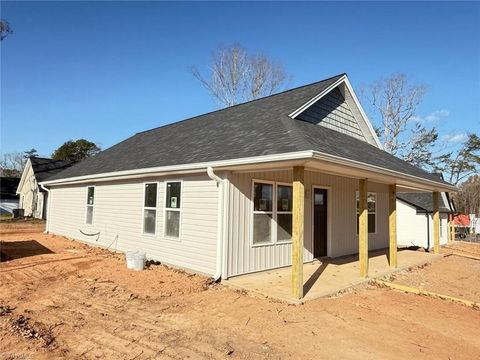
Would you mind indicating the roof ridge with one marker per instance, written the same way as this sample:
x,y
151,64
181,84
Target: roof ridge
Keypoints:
x,y
243,103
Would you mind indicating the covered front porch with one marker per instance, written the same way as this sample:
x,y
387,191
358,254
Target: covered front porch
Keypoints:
x,y
364,265
327,277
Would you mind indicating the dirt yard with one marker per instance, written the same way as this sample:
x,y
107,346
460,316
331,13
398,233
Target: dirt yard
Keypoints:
x,y
62,299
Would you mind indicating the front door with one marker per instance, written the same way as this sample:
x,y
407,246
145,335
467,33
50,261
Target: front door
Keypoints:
x,y
320,222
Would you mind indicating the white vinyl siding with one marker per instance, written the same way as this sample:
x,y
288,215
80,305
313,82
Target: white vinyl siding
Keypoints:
x,y
119,219
31,198
415,229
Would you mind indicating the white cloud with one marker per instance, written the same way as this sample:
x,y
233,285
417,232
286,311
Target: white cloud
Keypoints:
x,y
455,138
433,116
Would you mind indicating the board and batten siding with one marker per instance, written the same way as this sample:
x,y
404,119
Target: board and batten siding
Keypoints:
x,y
415,229
244,258
118,217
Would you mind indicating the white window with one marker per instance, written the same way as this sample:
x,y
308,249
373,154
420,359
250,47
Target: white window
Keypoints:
x,y
150,209
173,209
284,213
272,213
372,211
262,213
90,204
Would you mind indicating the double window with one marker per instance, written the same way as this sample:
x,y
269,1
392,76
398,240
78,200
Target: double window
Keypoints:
x,y
173,209
150,208
272,213
90,204
372,211
173,192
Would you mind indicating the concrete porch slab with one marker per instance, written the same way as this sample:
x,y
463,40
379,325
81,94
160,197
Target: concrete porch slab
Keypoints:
x,y
326,277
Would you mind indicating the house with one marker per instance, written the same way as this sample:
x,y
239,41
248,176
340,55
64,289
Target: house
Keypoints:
x,y
415,219
33,199
273,182
8,197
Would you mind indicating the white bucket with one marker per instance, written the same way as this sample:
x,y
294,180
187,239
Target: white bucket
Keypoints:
x,y
135,260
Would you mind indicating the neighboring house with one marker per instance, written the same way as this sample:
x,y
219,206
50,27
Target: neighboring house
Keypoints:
x,y
33,199
273,182
415,219
8,197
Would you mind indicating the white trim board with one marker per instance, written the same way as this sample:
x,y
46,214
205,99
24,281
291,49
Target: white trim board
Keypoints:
x,y
251,163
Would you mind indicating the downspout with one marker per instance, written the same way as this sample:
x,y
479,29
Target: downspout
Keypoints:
x,y
218,271
47,229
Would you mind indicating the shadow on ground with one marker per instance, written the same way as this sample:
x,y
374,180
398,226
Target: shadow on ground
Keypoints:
x,y
19,249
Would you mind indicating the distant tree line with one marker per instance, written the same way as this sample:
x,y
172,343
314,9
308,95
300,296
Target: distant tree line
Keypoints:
x,y
12,164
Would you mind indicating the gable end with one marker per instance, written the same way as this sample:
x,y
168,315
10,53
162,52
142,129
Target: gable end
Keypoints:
x,y
333,112
338,108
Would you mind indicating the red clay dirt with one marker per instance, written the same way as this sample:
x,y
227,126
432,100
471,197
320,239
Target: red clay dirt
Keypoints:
x,y
63,299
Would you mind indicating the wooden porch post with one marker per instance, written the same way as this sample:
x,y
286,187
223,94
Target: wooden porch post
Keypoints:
x,y
363,228
297,231
392,201
436,222
451,233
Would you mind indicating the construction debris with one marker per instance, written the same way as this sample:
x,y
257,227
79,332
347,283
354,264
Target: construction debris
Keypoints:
x,y
22,326
418,291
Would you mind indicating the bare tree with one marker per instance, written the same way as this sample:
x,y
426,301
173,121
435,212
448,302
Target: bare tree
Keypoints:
x,y
462,163
12,164
467,200
5,29
237,76
421,146
394,101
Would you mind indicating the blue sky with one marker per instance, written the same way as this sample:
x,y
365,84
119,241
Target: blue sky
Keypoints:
x,y
106,70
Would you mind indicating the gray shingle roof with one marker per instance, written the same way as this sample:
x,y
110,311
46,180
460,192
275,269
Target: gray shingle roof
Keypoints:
x,y
44,168
259,127
422,201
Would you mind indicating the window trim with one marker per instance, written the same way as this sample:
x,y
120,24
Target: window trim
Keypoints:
x,y
368,213
144,184
276,212
165,209
87,205
274,241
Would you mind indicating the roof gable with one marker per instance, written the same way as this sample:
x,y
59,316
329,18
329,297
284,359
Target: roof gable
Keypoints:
x,y
337,107
42,169
333,112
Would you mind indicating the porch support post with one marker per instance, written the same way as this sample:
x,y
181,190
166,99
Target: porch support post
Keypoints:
x,y
363,228
297,231
436,222
451,232
392,201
